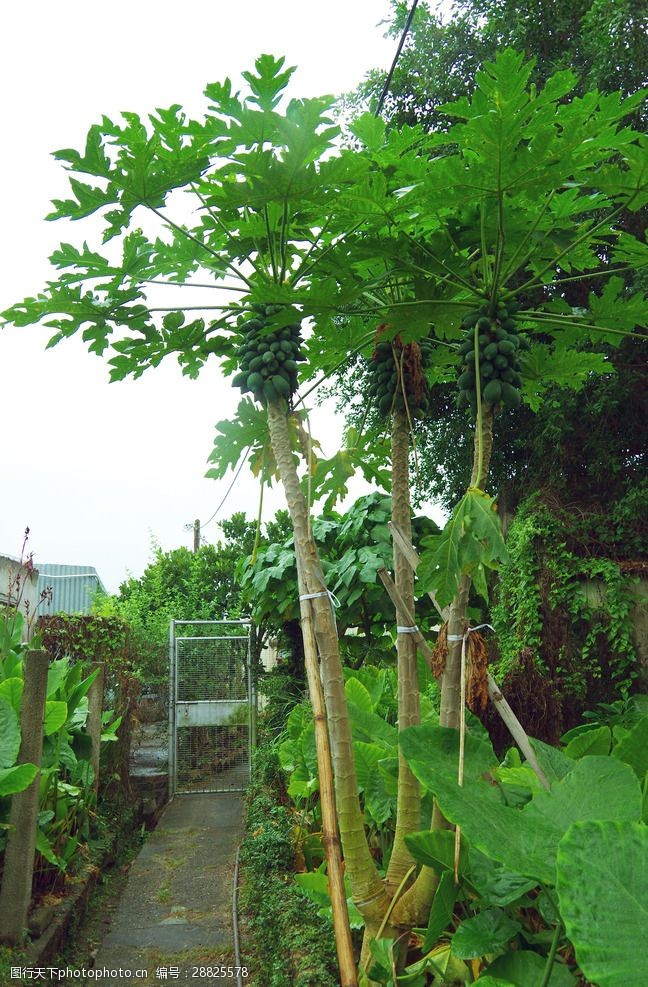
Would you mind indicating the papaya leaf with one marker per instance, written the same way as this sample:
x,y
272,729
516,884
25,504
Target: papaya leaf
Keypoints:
x,y
471,541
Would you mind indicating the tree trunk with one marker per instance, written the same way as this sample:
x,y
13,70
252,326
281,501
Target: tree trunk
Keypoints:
x,y
368,890
408,814
414,907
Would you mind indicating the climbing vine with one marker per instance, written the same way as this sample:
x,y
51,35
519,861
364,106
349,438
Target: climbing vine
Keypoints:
x,y
573,613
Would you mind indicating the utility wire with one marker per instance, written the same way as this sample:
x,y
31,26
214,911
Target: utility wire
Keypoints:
x,y
228,491
390,74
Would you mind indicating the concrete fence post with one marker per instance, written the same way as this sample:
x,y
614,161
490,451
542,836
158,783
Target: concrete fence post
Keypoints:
x,y
95,711
15,894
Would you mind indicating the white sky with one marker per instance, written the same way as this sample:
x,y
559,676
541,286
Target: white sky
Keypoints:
x,y
96,470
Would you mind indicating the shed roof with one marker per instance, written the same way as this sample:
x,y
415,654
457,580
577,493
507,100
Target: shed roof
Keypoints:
x,y
73,587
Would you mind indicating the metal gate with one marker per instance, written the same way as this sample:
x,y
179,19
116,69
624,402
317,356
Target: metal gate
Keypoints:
x,y
212,706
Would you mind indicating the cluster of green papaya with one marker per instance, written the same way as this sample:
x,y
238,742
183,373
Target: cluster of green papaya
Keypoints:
x,y
499,348
268,359
396,373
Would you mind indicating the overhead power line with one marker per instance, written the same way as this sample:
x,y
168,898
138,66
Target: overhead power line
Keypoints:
x,y
390,74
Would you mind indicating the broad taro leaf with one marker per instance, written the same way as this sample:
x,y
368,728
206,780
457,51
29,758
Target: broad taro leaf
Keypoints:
x,y
525,840
603,893
524,968
437,748
553,761
17,778
9,734
358,694
56,713
445,897
366,760
596,740
633,749
11,690
435,848
487,932
493,882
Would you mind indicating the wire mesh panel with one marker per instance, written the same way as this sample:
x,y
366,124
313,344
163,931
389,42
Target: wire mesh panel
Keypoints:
x,y
212,721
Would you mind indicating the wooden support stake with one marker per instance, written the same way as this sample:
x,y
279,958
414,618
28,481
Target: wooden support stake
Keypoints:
x,y
93,724
516,729
15,894
412,557
398,601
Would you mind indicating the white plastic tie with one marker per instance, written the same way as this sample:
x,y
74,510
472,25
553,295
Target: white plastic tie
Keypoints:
x,y
407,630
463,637
332,598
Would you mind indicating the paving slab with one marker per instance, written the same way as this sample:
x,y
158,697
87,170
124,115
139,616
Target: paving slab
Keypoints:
x,y
173,923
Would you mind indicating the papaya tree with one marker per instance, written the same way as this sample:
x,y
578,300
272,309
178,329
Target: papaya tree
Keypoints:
x,y
272,201
518,198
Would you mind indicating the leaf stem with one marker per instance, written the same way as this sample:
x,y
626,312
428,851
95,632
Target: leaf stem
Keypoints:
x,y
552,955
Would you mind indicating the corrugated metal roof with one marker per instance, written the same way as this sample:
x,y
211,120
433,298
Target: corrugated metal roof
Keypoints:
x,y
73,587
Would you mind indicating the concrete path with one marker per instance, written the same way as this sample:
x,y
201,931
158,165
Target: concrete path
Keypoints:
x,y
173,923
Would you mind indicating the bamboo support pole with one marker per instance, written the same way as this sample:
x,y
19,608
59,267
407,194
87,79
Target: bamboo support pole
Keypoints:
x,y
331,840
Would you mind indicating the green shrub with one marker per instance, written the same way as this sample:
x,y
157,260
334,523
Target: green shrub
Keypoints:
x,y
285,941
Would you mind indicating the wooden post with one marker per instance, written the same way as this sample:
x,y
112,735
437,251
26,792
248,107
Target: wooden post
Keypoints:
x,y
196,530
95,710
15,894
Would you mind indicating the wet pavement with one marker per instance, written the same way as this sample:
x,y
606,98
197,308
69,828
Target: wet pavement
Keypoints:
x,y
173,922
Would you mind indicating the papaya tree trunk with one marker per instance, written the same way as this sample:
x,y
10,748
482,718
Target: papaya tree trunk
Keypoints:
x,y
408,806
368,890
414,907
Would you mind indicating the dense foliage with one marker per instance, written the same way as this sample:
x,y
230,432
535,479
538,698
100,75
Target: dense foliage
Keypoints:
x,y
469,237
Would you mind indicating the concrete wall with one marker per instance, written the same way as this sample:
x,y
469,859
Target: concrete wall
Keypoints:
x,y
594,591
10,568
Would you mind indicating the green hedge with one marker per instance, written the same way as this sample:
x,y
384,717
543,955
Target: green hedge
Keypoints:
x,y
285,942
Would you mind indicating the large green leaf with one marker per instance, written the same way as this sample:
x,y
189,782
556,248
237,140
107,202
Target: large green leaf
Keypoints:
x,y
595,741
603,892
525,968
11,690
366,760
9,734
358,694
316,886
445,897
525,840
487,932
436,749
436,848
633,749
471,542
493,882
17,778
55,716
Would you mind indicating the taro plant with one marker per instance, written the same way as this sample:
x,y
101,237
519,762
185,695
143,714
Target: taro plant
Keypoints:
x,y
540,871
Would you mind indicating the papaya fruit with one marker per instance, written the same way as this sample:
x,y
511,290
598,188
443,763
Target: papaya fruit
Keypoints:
x,y
255,382
492,392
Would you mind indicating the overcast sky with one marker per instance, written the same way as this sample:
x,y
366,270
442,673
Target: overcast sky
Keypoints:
x,y
98,471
